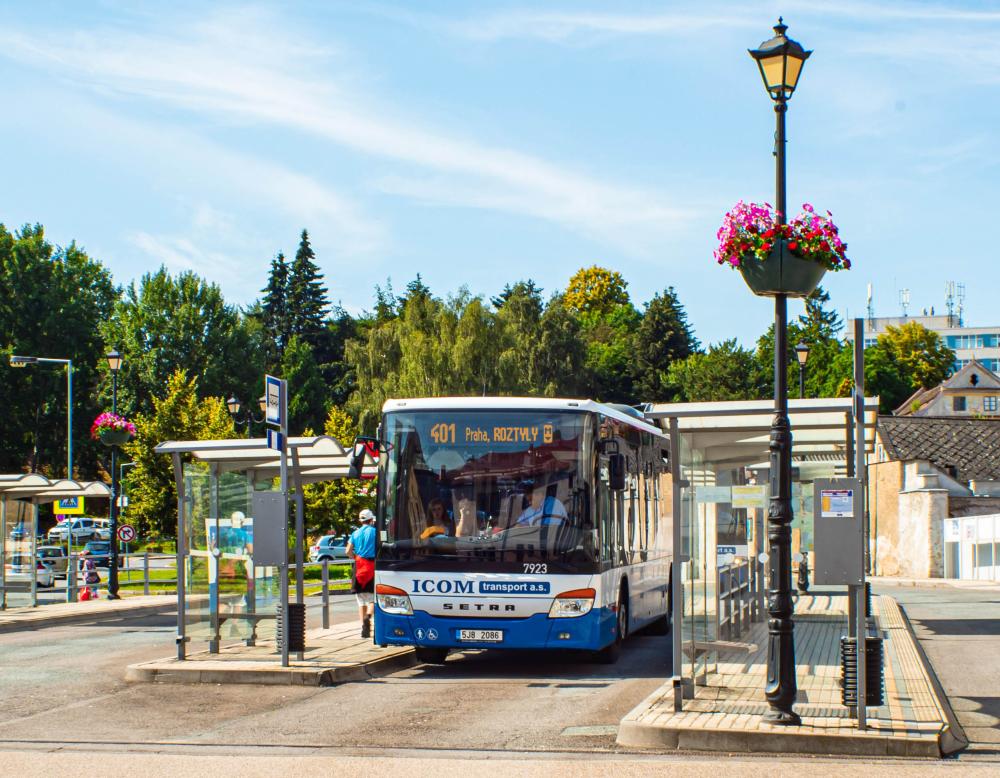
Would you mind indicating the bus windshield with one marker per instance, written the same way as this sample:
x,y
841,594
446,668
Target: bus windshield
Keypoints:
x,y
490,490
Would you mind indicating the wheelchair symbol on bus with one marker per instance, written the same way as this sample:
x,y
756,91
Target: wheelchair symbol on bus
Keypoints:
x,y
432,634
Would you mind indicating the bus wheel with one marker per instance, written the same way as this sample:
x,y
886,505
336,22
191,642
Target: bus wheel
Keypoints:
x,y
430,656
609,654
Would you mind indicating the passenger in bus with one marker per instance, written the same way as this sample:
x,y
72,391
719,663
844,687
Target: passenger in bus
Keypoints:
x,y
438,522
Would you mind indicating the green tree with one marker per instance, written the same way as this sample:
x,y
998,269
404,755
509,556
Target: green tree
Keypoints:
x,y
662,338
168,323
726,372
307,392
921,354
275,313
53,302
307,300
561,355
177,415
333,506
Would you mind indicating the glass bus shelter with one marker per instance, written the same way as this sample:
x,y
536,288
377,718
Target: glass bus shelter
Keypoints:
x,y
222,595
719,472
35,490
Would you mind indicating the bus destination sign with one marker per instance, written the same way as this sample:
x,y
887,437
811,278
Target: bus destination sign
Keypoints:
x,y
444,433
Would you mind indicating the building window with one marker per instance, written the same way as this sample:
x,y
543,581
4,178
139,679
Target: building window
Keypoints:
x,y
990,403
958,403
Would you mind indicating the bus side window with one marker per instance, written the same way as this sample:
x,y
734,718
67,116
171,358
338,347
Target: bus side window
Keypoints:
x,y
604,509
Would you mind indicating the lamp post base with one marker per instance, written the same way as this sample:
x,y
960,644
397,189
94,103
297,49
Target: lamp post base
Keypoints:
x,y
782,718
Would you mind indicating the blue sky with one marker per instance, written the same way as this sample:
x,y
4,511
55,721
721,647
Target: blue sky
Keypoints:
x,y
481,143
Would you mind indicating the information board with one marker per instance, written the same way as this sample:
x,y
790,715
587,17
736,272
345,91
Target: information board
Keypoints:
x,y
838,528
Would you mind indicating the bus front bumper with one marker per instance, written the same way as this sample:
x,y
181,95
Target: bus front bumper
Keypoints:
x,y
589,632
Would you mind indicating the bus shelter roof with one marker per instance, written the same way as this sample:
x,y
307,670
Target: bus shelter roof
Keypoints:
x,y
10,481
317,458
737,433
39,493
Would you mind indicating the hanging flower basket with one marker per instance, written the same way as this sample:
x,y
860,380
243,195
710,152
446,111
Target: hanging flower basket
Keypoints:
x,y
773,258
781,272
112,429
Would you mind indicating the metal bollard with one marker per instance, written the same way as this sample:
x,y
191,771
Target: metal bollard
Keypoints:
x,y
71,576
145,572
802,584
326,594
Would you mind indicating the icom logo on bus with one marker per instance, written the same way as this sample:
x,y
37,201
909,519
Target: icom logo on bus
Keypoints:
x,y
441,586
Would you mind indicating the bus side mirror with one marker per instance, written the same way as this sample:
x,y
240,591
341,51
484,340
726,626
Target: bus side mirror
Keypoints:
x,y
365,446
616,472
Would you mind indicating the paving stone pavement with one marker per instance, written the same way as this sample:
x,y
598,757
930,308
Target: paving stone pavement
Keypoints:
x,y
726,713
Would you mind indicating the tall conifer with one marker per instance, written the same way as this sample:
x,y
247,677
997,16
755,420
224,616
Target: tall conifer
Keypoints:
x,y
307,300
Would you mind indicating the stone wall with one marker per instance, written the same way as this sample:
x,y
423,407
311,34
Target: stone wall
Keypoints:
x,y
885,484
920,535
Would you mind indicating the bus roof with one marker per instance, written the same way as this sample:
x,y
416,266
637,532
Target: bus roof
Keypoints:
x,y
516,403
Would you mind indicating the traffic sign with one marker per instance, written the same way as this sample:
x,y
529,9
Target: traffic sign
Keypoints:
x,y
126,533
275,440
274,389
70,506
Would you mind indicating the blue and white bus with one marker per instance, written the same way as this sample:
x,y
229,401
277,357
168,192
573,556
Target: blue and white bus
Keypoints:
x,y
520,523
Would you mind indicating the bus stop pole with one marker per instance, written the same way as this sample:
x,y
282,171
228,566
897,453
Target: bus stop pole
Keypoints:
x,y
3,552
299,530
861,644
285,621
676,588
34,553
180,555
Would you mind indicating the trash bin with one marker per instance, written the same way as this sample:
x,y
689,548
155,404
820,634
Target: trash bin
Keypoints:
x,y
874,672
296,626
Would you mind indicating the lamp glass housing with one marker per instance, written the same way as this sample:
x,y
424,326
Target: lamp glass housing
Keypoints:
x,y
802,353
780,60
262,402
114,361
233,405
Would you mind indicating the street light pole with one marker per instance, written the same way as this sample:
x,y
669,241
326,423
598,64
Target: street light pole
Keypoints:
x,y
780,61
802,354
234,405
114,363
17,360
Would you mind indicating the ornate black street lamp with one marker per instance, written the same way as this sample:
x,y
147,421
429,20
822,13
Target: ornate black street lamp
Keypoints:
x,y
780,61
114,365
234,405
802,354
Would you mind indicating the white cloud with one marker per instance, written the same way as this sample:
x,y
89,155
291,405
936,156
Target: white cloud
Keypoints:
x,y
240,67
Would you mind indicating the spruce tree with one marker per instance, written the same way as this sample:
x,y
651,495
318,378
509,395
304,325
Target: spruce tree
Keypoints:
x,y
275,304
307,301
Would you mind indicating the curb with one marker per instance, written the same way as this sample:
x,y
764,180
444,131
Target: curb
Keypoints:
x,y
151,609
189,672
953,738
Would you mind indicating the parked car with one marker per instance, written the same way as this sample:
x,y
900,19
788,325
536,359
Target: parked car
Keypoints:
x,y
99,551
83,528
330,547
54,558
50,561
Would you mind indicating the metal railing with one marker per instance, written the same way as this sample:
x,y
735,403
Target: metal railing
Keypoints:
x,y
72,579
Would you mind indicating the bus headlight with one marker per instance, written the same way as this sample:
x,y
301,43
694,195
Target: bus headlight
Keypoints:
x,y
576,602
393,600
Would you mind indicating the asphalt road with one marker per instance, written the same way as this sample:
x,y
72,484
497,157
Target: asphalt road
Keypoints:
x,y
959,630
64,704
